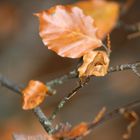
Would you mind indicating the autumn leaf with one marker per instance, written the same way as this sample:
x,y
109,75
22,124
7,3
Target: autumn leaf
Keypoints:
x,y
105,14
94,63
33,94
133,118
67,31
78,130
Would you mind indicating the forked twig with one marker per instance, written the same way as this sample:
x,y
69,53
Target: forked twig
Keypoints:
x,y
45,122
117,68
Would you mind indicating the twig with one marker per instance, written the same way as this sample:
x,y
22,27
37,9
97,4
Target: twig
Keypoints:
x,y
37,111
125,7
75,74
113,114
45,122
123,67
47,125
10,85
134,29
68,97
129,27
62,79
134,69
133,35
101,118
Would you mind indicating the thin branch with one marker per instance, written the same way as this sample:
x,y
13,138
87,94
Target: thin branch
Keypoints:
x,y
74,73
62,79
45,122
37,111
81,85
134,69
126,6
134,35
47,125
133,29
129,27
10,85
123,67
111,115
114,113
68,97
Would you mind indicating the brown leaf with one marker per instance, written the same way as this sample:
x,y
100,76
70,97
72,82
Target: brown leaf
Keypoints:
x,y
78,130
33,94
67,31
105,14
94,63
133,118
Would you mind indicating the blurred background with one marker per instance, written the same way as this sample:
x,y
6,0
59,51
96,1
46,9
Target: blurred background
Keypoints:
x,y
23,57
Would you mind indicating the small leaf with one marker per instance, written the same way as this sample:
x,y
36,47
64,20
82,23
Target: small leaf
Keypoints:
x,y
133,118
34,94
105,14
94,63
78,130
67,31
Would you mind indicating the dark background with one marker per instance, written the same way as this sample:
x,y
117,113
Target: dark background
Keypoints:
x,y
24,57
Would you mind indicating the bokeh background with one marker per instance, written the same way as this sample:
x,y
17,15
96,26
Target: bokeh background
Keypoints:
x,y
24,57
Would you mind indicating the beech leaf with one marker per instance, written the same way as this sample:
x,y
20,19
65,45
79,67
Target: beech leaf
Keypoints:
x,y
105,14
94,63
33,94
67,31
78,130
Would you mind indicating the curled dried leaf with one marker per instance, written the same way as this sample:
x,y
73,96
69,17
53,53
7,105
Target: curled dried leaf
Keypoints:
x,y
94,63
105,14
33,94
133,118
67,31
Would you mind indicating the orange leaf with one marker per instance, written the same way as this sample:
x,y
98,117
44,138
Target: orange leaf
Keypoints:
x,y
34,94
94,63
78,130
105,14
67,31
133,118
